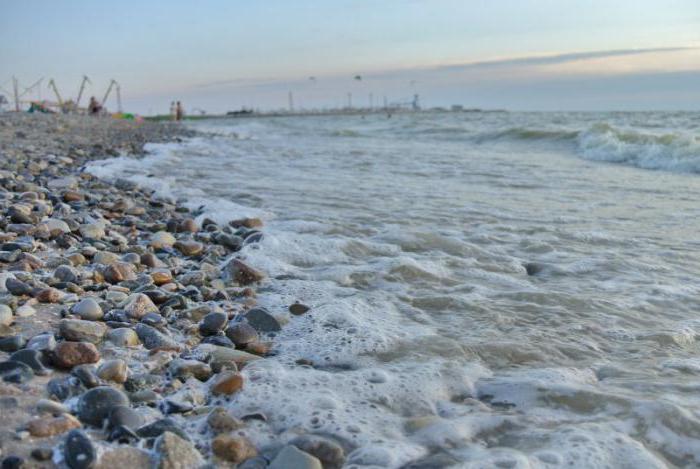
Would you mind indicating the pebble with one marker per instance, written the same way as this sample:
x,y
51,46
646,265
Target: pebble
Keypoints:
x,y
48,295
15,372
66,273
227,382
123,337
152,338
105,258
64,388
12,343
6,316
183,369
45,342
213,323
159,427
119,272
116,297
113,370
220,421
25,311
241,334
292,457
240,273
138,305
124,416
44,427
42,454
330,453
175,452
162,240
161,276
31,358
298,309
12,462
235,449
17,287
224,357
87,375
189,248
92,231
51,407
95,405
125,457
262,321
79,452
70,354
88,309
83,331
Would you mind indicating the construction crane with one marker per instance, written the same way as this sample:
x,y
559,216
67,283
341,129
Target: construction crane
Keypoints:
x,y
113,84
82,88
52,85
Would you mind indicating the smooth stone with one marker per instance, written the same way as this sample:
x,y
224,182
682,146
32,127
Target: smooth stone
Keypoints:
x,y
48,295
298,309
220,340
96,404
66,273
213,323
31,358
227,383
56,227
153,320
51,407
141,381
12,343
17,287
235,449
124,416
45,427
116,297
175,452
92,231
123,337
88,309
42,454
292,457
161,276
220,421
87,374
152,338
113,370
183,369
221,357
15,372
159,427
70,354
25,311
189,248
138,305
131,258
262,320
119,272
45,342
242,334
239,273
162,240
79,452
105,258
79,330
125,457
330,453
6,316
151,260
64,388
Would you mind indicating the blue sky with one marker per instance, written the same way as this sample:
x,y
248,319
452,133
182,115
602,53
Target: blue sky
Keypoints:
x,y
220,55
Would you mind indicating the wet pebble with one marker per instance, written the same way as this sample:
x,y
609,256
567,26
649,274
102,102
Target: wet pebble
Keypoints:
x,y
88,309
213,323
70,354
96,404
79,452
15,372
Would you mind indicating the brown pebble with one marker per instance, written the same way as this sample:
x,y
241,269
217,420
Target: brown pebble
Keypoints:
x,y
43,427
298,309
119,272
188,225
258,348
235,449
161,277
70,354
72,196
48,295
113,370
220,421
246,222
227,382
189,248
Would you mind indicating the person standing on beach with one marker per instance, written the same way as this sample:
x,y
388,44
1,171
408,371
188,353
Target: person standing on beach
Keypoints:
x,y
178,111
172,110
94,107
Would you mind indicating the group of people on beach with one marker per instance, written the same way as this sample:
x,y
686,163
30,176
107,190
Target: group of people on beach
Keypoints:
x,y
176,112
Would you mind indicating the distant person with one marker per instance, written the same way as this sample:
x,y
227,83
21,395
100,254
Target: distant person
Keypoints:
x,y
178,111
94,107
172,110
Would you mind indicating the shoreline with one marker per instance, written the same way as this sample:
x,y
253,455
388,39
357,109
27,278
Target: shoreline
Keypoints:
x,y
125,324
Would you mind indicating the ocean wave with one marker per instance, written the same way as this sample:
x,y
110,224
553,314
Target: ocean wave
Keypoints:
x,y
678,152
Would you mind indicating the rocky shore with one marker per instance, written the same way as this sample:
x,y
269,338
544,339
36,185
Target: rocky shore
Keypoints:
x,y
126,321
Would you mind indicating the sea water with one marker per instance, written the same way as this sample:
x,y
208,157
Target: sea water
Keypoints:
x,y
515,290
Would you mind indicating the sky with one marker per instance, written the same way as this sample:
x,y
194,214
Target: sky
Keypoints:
x,y
220,55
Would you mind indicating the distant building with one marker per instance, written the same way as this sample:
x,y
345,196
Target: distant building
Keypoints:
x,y
457,108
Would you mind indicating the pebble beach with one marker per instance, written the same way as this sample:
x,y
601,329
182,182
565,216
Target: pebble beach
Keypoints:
x,y
126,321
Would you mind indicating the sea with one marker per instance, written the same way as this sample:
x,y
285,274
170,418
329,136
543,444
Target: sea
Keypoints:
x,y
487,289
